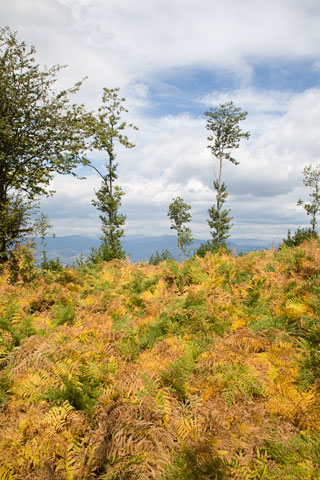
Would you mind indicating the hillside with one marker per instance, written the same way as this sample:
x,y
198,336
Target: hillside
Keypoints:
x,y
204,370
138,247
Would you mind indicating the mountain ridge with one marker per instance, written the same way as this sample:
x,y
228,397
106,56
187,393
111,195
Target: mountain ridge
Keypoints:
x,y
69,248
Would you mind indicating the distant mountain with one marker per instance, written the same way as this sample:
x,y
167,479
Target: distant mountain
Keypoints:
x,y
69,248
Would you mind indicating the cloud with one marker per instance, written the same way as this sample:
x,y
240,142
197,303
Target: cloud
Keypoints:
x,y
171,159
135,45
155,35
117,42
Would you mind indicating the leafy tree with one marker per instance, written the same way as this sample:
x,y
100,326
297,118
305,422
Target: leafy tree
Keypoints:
x,y
15,222
225,136
312,179
178,214
41,134
106,129
159,257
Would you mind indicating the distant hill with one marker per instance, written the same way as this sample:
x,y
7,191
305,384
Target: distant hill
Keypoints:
x,y
69,248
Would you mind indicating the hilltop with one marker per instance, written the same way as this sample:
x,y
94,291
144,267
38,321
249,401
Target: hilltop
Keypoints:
x,y
203,370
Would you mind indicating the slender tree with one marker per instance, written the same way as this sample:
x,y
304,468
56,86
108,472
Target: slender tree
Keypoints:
x,y
107,129
179,214
225,135
311,178
41,227
41,134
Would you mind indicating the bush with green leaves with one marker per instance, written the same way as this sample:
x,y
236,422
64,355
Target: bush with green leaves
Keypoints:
x,y
209,246
159,257
299,236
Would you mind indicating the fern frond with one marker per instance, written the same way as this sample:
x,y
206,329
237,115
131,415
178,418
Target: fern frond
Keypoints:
x,y
186,429
7,474
57,417
163,400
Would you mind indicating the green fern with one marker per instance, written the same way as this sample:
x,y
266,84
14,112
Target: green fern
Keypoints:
x,y
297,457
190,464
239,379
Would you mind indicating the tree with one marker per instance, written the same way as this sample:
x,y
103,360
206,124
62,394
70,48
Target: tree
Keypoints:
x,y
41,227
208,246
15,222
159,257
299,236
312,179
178,213
106,129
223,123
41,134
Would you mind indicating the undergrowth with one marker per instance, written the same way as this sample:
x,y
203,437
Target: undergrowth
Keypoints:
x,y
203,370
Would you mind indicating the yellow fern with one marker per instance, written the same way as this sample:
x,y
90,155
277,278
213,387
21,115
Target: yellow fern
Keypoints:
x,y
57,417
6,474
163,400
187,429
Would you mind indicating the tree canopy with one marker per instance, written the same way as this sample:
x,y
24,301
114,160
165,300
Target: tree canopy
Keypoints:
x,y
41,133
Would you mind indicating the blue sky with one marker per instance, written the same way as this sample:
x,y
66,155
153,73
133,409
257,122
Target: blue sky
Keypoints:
x,y
173,60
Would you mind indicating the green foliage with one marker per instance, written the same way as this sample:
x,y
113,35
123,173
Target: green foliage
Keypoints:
x,y
17,323
53,265
79,391
299,236
106,129
178,214
159,257
190,464
110,247
41,134
21,264
64,313
291,456
209,246
311,178
267,322
219,218
225,135
238,380
41,227
176,373
15,223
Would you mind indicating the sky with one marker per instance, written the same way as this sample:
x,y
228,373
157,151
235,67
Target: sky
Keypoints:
x,y
173,60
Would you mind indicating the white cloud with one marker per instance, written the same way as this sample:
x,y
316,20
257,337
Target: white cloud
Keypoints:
x,y
118,41
131,43
171,159
156,35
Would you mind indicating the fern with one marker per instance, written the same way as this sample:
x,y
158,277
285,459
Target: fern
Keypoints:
x,y
192,465
7,474
57,417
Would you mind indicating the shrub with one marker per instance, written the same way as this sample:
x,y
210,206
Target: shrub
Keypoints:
x,y
299,236
159,257
206,247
